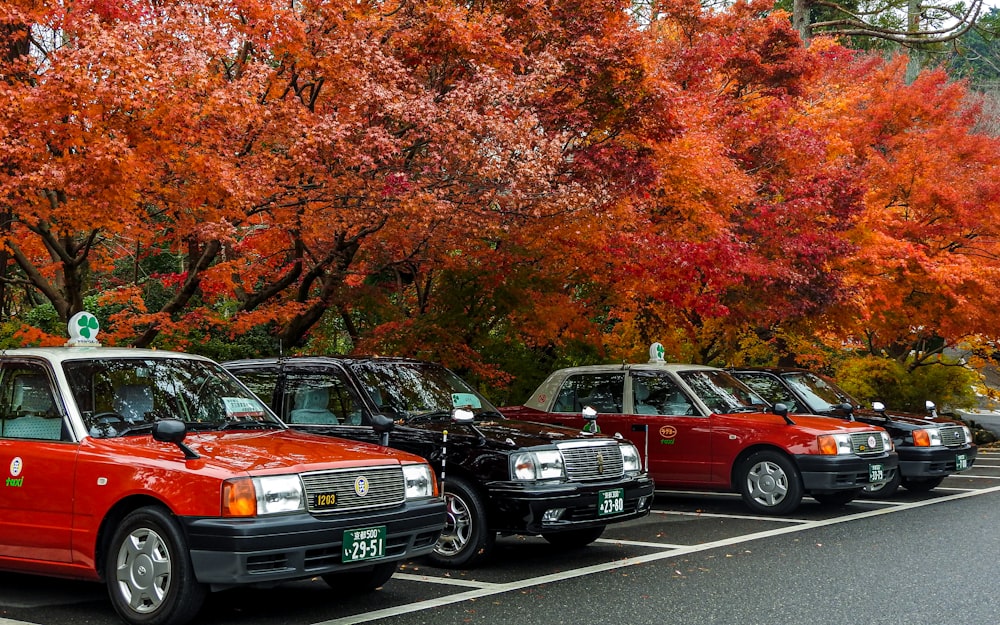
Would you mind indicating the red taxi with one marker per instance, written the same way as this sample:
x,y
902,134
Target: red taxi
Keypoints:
x,y
697,427
162,475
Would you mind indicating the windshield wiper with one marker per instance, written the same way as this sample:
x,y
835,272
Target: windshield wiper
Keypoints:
x,y
250,424
135,429
430,414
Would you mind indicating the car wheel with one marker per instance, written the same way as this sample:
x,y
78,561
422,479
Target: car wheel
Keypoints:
x,y
770,483
574,539
883,490
148,570
837,498
467,537
358,581
922,485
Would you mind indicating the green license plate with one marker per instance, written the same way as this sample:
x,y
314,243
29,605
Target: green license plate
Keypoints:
x,y
876,473
611,502
366,543
961,462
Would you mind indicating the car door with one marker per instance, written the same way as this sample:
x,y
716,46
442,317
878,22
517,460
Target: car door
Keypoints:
x,y
38,462
668,428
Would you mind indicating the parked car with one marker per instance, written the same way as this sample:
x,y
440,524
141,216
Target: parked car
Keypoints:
x,y
699,428
160,474
930,447
499,475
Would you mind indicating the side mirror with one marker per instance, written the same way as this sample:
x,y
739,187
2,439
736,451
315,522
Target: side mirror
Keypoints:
x,y
460,415
878,406
781,410
173,431
382,424
931,408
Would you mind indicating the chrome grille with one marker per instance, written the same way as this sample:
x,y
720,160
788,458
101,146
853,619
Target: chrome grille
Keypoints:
x,y
385,488
861,443
591,460
953,436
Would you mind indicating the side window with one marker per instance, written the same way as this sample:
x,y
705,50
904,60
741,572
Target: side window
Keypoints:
x,y
262,383
660,395
325,399
27,405
603,391
770,388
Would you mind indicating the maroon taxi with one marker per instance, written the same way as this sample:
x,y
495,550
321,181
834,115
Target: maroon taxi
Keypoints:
x,y
697,427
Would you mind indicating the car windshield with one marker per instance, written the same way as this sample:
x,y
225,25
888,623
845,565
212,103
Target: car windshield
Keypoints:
x,y
721,392
410,390
820,395
119,396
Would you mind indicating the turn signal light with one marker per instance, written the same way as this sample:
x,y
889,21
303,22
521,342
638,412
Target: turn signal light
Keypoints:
x,y
921,438
828,445
239,499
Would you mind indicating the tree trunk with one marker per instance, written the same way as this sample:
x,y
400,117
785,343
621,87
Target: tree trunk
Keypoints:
x,y
800,20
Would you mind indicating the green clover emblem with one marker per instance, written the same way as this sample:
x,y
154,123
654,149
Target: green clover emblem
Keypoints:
x,y
88,326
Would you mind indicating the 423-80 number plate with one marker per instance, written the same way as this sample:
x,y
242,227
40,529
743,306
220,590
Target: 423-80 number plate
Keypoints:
x,y
364,544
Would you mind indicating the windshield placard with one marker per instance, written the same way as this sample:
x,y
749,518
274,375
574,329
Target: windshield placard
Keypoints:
x,y
465,400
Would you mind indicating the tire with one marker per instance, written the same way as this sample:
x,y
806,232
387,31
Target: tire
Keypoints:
x,y
922,485
574,539
466,538
148,570
883,490
769,483
838,498
360,581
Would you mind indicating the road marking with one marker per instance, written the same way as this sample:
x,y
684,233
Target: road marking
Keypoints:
x,y
448,581
731,516
639,543
626,562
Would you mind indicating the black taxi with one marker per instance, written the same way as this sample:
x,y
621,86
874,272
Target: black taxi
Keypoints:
x,y
500,476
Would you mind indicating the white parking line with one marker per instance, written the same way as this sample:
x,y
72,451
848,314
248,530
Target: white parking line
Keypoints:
x,y
617,564
774,519
448,581
639,543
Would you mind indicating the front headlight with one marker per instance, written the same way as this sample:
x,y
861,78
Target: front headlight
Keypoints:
x,y
546,464
419,480
630,458
927,437
968,434
887,441
271,494
835,444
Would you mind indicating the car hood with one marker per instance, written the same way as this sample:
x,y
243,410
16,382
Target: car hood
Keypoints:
x,y
813,423
256,452
904,420
506,433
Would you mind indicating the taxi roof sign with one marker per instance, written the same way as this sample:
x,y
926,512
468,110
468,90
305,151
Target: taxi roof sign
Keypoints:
x,y
83,328
656,353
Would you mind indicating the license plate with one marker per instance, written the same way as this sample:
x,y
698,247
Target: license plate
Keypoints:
x,y
611,502
961,462
876,473
366,543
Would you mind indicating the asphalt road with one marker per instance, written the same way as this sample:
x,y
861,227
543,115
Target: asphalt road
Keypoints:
x,y
697,559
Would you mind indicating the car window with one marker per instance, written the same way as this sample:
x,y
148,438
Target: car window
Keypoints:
x,y
721,392
27,404
603,391
407,390
818,393
658,394
320,398
770,388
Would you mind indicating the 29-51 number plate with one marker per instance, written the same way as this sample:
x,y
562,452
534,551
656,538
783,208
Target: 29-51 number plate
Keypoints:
x,y
366,543
611,502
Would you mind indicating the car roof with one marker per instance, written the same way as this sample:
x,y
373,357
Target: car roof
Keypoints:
x,y
646,366
64,354
325,360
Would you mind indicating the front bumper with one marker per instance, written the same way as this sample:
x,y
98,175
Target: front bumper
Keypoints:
x,y
269,550
520,507
920,462
832,473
